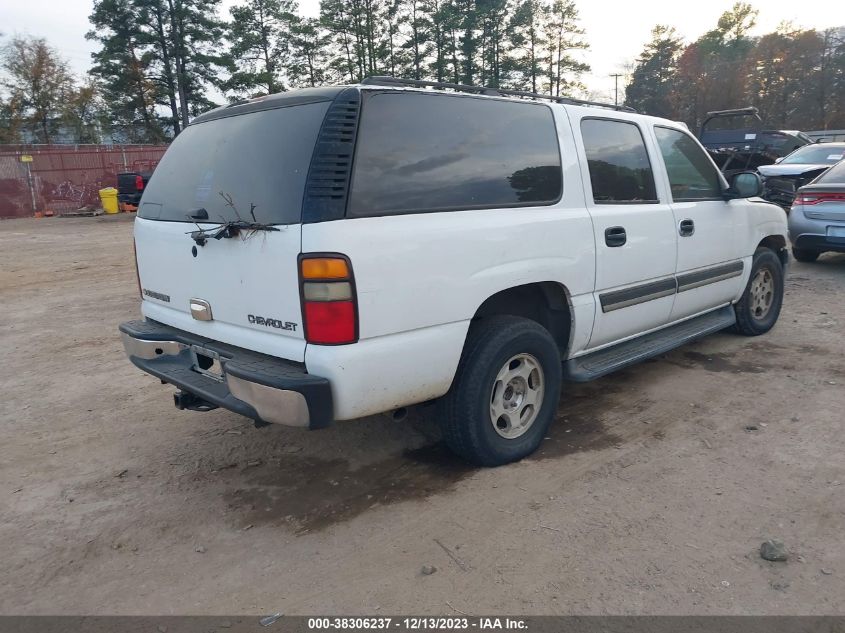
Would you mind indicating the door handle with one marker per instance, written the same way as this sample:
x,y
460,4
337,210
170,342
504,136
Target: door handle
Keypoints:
x,y
686,228
615,236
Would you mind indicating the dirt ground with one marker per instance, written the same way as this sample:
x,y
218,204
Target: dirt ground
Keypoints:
x,y
652,494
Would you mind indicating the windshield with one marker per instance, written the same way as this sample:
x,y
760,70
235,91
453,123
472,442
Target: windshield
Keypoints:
x,y
820,154
249,167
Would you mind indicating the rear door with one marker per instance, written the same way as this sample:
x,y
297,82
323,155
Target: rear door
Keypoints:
x,y
251,167
634,231
708,227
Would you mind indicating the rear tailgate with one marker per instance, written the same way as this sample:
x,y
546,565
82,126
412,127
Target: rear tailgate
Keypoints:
x,y
127,182
249,167
251,286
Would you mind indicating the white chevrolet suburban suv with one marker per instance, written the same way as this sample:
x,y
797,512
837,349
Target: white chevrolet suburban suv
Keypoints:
x,y
330,253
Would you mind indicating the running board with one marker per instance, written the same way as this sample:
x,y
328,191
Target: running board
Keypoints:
x,y
605,361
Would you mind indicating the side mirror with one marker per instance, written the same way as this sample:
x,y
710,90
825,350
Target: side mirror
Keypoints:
x,y
746,184
777,160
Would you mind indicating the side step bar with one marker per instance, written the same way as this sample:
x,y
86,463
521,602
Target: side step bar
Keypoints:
x,y
610,359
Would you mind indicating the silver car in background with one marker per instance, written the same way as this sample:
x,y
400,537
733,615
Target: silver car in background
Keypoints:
x,y
817,219
782,180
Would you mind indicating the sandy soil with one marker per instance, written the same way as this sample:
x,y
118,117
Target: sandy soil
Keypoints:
x,y
652,494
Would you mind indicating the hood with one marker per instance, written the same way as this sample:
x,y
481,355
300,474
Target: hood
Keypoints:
x,y
789,170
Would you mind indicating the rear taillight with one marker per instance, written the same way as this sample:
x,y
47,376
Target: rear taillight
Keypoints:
x,y
137,274
809,198
329,309
139,183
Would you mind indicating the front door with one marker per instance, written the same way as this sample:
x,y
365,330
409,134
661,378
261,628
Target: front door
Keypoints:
x,y
710,267
634,230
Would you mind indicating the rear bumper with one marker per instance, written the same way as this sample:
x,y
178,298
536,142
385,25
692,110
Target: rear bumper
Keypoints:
x,y
809,242
254,385
129,198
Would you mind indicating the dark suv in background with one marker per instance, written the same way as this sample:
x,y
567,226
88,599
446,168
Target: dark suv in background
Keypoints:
x,y
130,186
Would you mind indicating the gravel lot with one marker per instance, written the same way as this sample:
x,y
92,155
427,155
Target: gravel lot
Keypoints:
x,y
652,495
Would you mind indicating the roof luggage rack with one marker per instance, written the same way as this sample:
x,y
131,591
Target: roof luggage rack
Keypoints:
x,y
486,90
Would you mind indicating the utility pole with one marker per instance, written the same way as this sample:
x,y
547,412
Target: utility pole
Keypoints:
x,y
616,77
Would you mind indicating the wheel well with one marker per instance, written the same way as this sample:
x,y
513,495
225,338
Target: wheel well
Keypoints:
x,y
545,302
778,244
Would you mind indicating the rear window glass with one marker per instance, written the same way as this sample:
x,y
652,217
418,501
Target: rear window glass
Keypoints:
x,y
620,171
835,174
237,166
419,152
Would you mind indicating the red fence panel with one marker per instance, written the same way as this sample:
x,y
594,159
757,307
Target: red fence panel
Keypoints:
x,y
61,177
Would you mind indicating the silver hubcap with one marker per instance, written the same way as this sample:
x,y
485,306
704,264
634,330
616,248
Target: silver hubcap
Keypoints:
x,y
517,396
762,293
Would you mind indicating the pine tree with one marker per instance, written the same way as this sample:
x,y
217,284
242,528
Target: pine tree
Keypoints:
x,y
468,12
123,70
651,81
308,62
261,33
527,36
345,61
439,14
493,17
416,16
195,30
564,35
158,52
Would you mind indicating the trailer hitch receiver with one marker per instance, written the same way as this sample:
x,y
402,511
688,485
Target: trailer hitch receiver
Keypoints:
x,y
187,400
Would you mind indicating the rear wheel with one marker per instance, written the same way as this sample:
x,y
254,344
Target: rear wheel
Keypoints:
x,y
505,392
759,308
805,256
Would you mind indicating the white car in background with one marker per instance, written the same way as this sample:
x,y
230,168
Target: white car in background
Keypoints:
x,y
784,178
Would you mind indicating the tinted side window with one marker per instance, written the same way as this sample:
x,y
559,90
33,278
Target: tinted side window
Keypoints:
x,y
420,152
691,174
620,171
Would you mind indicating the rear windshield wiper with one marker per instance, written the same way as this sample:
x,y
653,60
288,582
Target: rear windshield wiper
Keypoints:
x,y
229,229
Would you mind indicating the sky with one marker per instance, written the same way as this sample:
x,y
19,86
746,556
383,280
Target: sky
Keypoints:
x,y
616,29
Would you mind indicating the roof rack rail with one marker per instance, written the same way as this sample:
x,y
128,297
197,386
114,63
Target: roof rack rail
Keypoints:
x,y
747,111
384,80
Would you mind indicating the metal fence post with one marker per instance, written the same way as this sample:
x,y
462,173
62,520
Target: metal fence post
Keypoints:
x,y
31,185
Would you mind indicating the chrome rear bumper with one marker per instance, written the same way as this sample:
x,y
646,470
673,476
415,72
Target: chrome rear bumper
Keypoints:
x,y
257,386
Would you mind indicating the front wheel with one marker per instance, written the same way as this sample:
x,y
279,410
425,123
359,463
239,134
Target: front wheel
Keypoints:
x,y
759,308
505,392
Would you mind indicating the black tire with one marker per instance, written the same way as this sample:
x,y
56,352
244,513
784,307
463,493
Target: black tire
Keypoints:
x,y
749,320
805,256
465,412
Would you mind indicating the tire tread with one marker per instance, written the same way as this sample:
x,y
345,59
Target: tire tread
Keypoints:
x,y
457,408
745,324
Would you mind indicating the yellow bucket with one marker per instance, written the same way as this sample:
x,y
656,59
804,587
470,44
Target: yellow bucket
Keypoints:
x,y
108,198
